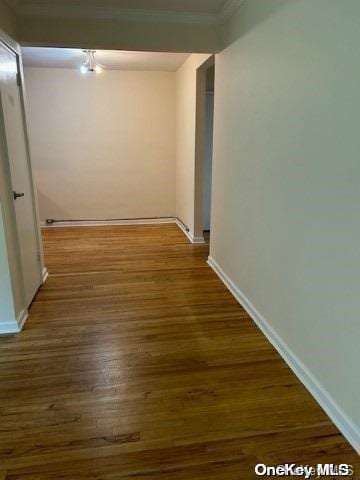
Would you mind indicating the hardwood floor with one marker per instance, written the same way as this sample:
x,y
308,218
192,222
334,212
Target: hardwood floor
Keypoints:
x,y
137,363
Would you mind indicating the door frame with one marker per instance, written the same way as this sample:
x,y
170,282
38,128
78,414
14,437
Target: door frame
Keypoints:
x,y
14,47
200,130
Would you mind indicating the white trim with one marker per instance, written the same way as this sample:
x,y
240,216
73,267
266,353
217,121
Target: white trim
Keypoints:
x,y
321,395
73,10
10,43
22,317
190,236
11,328
45,275
99,223
183,229
141,221
198,240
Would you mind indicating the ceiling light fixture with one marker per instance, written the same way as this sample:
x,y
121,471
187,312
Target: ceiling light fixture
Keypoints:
x,y
90,64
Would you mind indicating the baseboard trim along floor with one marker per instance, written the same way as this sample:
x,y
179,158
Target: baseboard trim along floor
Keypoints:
x,y
100,223
190,236
45,275
10,328
324,399
137,221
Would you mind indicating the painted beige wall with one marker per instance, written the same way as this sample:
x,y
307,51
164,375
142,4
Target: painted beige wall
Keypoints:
x,y
285,218
114,34
103,146
185,138
7,19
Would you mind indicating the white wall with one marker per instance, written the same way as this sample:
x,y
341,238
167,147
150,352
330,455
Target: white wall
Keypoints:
x,y
285,218
103,146
185,138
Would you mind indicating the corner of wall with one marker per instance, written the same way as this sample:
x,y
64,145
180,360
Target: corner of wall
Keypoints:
x,y
186,83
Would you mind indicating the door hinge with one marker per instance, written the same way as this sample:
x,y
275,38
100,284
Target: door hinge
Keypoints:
x,y
18,79
38,256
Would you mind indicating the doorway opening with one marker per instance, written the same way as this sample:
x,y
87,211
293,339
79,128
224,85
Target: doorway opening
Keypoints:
x,y
102,128
205,91
208,156
104,137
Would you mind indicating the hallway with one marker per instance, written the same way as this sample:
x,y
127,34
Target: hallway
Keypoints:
x,y
136,362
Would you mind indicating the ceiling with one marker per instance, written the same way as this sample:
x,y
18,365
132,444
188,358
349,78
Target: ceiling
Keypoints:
x,y
109,59
196,6
173,11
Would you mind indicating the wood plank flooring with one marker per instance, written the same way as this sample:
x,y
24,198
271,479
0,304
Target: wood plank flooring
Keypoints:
x,y
137,363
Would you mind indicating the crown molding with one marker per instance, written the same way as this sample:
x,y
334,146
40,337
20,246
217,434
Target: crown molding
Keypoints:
x,y
57,9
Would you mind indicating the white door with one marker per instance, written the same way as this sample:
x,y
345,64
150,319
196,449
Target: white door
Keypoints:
x,y
11,104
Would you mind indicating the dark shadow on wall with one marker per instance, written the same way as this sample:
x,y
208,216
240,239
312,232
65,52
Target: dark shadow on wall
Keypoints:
x,y
7,19
251,14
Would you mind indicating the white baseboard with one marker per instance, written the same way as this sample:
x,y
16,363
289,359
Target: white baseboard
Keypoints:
x,y
144,221
350,431
100,223
11,328
45,275
183,229
23,316
190,236
198,240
